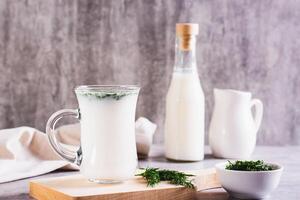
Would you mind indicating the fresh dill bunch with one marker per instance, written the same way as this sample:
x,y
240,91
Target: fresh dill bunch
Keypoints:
x,y
154,175
251,165
151,175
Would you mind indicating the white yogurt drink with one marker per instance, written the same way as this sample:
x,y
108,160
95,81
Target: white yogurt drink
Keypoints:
x,y
107,117
108,146
184,122
184,125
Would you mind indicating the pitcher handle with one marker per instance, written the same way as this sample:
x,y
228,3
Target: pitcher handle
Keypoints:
x,y
258,112
67,154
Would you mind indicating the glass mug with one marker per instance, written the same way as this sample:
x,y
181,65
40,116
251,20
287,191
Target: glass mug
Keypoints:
x,y
107,153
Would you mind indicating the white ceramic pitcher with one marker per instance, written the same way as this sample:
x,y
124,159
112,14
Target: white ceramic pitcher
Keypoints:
x,y
233,129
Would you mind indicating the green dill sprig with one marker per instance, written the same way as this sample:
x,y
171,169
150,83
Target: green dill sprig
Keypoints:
x,y
104,95
155,175
240,165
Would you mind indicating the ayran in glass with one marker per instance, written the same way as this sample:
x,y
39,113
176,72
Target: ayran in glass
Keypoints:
x,y
107,117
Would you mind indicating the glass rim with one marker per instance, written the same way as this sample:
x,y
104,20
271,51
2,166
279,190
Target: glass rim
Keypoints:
x,y
105,88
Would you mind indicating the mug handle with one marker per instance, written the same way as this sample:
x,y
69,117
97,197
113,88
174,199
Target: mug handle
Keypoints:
x,y
67,154
258,112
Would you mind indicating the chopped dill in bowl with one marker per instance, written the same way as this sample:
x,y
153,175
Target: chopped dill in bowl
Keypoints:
x,y
258,165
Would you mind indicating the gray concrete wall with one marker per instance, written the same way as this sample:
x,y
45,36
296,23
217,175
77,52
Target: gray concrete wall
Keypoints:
x,y
49,47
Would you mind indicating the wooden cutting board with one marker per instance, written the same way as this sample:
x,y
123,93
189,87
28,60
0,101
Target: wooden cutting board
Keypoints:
x,y
76,187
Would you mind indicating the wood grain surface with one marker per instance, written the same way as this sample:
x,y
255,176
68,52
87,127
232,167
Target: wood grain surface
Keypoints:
x,y
76,187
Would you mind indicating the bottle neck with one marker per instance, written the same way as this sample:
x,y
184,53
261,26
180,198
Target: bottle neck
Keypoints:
x,y
185,54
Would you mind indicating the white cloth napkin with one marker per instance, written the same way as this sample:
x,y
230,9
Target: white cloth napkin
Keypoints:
x,y
25,151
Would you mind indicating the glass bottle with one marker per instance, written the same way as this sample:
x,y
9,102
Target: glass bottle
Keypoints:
x,y
184,122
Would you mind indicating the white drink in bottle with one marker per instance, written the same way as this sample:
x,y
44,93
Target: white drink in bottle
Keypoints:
x,y
184,123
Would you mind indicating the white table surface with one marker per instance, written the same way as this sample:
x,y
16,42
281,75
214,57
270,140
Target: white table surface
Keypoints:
x,y
288,156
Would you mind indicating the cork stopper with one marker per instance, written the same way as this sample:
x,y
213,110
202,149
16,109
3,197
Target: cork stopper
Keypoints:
x,y
186,33
187,29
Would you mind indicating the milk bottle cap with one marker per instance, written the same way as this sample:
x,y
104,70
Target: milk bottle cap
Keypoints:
x,y
187,29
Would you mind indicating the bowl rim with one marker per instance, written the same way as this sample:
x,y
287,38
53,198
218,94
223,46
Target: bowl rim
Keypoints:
x,y
221,166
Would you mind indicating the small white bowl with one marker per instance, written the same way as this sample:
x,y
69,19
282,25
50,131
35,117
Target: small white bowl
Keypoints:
x,y
249,184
